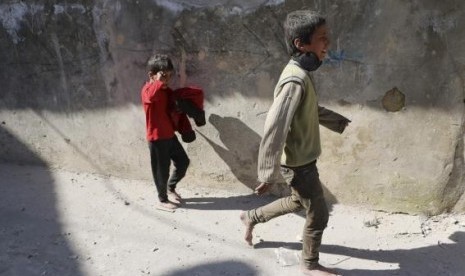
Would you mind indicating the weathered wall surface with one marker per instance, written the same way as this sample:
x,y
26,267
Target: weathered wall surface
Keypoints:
x,y
70,74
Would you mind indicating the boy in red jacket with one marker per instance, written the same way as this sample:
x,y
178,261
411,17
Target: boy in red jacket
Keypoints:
x,y
163,144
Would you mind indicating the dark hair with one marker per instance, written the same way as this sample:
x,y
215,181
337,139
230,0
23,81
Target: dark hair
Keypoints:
x,y
301,24
159,62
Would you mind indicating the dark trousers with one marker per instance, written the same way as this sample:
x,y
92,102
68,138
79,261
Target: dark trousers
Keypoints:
x,y
307,193
162,152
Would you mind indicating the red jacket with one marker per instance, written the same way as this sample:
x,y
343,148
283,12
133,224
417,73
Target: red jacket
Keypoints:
x,y
157,111
194,94
179,117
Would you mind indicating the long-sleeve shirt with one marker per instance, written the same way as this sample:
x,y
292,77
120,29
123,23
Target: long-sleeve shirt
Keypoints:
x,y
277,125
155,102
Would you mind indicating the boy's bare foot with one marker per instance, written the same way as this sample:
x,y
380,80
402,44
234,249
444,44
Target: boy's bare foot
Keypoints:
x,y
175,197
167,205
248,228
319,271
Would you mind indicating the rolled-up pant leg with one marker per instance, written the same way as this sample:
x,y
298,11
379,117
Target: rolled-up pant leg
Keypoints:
x,y
279,207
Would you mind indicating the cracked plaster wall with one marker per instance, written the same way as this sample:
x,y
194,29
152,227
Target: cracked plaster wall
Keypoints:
x,y
71,73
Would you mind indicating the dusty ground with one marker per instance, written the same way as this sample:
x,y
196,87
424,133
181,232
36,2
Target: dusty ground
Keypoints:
x,y
63,223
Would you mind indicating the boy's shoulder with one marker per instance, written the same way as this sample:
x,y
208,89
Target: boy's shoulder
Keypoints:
x,y
294,73
293,68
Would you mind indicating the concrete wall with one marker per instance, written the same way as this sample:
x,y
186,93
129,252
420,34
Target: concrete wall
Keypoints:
x,y
70,74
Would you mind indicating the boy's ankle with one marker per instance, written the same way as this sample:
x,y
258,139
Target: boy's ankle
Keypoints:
x,y
317,270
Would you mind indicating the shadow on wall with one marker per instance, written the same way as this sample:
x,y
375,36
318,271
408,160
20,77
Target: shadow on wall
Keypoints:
x,y
220,268
32,240
241,152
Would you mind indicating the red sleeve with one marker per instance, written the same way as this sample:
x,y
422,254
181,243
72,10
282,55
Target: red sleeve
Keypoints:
x,y
150,91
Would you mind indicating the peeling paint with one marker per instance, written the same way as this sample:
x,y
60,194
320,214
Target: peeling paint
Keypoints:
x,y
236,8
63,8
11,16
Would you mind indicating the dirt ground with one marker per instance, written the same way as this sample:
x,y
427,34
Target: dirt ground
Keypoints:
x,y
62,223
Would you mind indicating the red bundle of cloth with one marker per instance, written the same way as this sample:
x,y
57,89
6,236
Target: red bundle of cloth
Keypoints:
x,y
187,102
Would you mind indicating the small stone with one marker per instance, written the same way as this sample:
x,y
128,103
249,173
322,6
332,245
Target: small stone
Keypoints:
x,y
126,203
372,223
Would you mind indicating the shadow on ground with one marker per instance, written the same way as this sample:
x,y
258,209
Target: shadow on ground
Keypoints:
x,y
28,212
243,202
220,268
439,259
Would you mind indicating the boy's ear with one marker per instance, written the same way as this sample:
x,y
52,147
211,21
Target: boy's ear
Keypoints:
x,y
298,44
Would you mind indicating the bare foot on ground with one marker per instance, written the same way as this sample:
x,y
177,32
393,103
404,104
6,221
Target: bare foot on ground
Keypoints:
x,y
175,197
319,271
168,205
248,228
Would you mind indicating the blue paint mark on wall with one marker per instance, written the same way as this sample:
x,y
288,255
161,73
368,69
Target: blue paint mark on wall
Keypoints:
x,y
340,56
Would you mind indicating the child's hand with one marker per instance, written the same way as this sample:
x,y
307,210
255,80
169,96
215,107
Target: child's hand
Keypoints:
x,y
161,76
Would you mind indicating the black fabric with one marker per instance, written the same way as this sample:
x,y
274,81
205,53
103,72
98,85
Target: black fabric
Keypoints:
x,y
188,107
308,61
188,137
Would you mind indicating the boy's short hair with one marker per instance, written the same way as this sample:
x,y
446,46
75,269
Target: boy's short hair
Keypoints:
x,y
159,62
301,24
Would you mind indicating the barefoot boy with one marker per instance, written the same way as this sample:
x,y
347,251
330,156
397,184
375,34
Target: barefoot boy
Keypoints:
x,y
291,138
